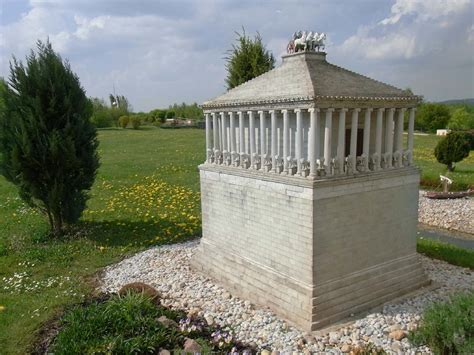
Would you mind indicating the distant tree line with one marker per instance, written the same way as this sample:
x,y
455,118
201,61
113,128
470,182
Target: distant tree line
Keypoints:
x,y
109,115
433,116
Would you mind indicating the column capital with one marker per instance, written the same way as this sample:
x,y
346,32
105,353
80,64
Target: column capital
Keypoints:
x,y
391,109
231,113
369,109
343,110
271,112
330,109
261,112
284,111
213,114
313,109
381,109
402,109
240,113
356,109
250,113
222,113
297,110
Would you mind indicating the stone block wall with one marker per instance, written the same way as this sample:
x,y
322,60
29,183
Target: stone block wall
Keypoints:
x,y
314,252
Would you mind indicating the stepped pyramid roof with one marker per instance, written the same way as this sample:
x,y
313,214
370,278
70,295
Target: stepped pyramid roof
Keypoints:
x,y
308,77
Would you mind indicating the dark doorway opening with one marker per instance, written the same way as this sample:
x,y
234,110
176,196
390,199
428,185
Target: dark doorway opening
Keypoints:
x,y
360,142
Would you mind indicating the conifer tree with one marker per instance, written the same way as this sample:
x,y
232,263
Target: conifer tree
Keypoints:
x,y
247,59
48,144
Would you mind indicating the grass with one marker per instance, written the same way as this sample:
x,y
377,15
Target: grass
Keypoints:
x,y
146,193
463,174
447,252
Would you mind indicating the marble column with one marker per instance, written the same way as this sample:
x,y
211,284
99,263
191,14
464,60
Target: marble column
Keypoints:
x,y
224,132
313,144
389,137
378,138
366,147
273,140
252,137
208,137
299,140
241,137
411,132
328,140
399,136
215,131
262,139
341,139
232,136
286,138
354,128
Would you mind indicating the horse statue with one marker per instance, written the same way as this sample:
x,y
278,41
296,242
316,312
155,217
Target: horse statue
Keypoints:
x,y
318,41
300,42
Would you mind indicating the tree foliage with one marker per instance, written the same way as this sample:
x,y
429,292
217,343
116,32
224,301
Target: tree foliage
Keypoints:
x,y
247,59
432,116
452,149
461,120
48,144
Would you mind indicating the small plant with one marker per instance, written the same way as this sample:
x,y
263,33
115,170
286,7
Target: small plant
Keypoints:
x,y
452,149
132,323
136,122
124,121
448,327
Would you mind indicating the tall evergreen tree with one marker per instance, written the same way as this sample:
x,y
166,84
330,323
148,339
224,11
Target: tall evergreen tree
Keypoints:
x,y
247,59
48,144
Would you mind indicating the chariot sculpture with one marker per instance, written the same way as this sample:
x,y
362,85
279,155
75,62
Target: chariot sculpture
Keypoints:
x,y
306,41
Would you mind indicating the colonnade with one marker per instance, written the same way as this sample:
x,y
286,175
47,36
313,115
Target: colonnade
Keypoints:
x,y
303,142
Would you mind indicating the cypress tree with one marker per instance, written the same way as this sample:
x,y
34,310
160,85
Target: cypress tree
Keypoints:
x,y
247,59
48,144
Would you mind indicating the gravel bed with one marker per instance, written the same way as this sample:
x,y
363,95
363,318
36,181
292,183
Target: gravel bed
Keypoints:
x,y
167,269
453,214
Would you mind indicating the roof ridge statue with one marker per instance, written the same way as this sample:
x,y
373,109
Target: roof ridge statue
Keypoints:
x,y
307,41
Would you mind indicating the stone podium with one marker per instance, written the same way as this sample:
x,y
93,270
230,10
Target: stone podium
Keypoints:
x,y
309,195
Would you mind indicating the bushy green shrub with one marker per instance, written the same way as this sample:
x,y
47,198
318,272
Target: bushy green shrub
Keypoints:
x,y
48,144
136,122
469,135
101,115
452,149
448,327
123,121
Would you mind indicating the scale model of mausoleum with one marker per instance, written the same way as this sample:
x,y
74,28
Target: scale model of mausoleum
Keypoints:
x,y
309,195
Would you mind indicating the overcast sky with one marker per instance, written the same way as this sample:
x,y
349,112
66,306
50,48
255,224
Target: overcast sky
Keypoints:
x,y
160,52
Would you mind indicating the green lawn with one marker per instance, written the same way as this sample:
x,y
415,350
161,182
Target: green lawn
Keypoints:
x,y
146,193
463,174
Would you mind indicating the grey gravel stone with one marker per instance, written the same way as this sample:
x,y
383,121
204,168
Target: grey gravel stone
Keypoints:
x,y
453,214
163,267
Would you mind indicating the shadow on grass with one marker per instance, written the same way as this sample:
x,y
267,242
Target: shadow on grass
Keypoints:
x,y
126,233
118,235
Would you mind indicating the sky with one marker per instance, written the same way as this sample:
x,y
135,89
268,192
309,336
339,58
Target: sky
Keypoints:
x,y
159,52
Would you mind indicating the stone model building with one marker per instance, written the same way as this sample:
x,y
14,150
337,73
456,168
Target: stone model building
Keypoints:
x,y
309,195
